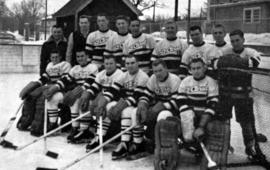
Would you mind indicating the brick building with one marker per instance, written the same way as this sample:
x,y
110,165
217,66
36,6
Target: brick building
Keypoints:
x,y
249,15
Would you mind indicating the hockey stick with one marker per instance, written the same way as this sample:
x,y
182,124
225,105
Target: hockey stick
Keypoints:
x,y
211,164
49,133
101,141
4,142
89,153
260,71
46,151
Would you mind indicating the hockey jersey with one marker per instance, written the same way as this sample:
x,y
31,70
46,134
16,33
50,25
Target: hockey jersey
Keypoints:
x,y
248,53
54,72
95,45
114,47
130,87
209,53
78,75
224,47
103,82
171,52
160,91
201,95
142,48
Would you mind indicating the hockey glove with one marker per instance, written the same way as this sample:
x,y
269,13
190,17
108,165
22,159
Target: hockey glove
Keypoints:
x,y
115,112
101,108
29,88
73,95
155,110
85,101
142,112
51,91
199,134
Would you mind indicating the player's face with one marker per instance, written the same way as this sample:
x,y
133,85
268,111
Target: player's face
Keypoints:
x,y
198,70
84,24
134,27
196,36
160,71
55,58
171,30
81,58
57,33
110,65
237,42
103,23
218,34
122,26
131,65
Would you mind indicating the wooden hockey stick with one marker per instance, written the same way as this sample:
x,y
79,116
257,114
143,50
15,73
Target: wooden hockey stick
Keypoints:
x,y
46,151
4,142
49,133
211,164
89,153
101,141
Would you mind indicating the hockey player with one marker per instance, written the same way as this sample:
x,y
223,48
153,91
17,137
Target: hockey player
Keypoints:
x,y
73,83
140,45
77,39
91,95
235,88
114,46
131,84
33,92
219,34
170,49
96,41
200,49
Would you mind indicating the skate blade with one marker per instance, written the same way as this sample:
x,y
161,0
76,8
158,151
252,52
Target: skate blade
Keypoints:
x,y
81,141
114,158
137,156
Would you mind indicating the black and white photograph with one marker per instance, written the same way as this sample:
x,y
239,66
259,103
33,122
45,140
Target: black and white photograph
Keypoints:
x,y
135,84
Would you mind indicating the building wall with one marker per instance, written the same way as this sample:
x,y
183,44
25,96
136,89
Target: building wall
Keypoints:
x,y
19,58
232,18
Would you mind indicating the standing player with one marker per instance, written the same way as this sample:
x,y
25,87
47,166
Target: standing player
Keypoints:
x,y
235,88
73,84
219,34
77,39
140,45
96,41
170,49
199,49
114,46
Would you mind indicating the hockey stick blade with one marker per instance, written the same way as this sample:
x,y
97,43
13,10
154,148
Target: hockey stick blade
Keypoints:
x,y
264,164
40,168
52,154
8,145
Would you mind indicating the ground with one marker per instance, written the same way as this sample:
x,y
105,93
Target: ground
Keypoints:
x,y
33,156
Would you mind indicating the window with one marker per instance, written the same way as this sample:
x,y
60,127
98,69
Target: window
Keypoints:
x,y
252,15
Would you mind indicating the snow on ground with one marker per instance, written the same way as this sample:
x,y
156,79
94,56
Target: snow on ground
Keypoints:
x,y
33,156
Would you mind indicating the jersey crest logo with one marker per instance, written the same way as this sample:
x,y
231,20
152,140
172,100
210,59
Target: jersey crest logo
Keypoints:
x,y
138,45
101,41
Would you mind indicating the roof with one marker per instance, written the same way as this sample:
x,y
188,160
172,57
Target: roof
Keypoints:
x,y
239,3
74,6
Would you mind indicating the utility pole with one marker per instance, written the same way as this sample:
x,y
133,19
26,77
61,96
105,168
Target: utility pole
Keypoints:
x,y
176,10
154,11
188,20
46,6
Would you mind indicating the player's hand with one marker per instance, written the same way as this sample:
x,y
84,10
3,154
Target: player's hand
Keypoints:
x,y
51,91
141,113
84,103
199,134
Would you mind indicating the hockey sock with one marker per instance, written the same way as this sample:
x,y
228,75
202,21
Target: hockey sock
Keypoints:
x,y
75,124
126,123
53,115
138,134
85,122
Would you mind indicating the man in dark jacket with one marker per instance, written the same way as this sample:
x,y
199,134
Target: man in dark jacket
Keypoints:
x,y
55,41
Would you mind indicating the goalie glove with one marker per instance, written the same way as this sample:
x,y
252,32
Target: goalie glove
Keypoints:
x,y
115,112
155,110
51,91
232,60
101,107
28,89
141,113
71,96
84,103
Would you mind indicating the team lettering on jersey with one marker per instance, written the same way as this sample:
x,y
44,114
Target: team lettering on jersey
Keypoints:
x,y
100,41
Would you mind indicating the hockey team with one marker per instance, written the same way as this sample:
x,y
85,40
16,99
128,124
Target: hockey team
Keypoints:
x,y
173,95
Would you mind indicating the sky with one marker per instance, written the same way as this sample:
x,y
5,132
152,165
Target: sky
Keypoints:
x,y
168,11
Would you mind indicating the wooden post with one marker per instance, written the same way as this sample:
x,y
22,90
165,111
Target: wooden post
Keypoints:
x,y
176,10
188,20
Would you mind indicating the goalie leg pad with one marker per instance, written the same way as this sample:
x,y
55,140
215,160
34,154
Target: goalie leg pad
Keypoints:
x,y
217,142
28,113
37,124
166,137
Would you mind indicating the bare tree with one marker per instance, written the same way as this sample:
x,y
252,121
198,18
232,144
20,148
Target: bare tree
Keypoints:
x,y
147,4
28,11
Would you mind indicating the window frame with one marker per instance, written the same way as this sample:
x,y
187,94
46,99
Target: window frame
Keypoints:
x,y
252,9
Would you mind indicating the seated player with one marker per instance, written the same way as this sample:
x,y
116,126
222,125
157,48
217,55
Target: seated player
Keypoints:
x,y
34,90
91,96
72,84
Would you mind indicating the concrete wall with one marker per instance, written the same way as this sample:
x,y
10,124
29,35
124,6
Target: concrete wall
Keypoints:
x,y
19,58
